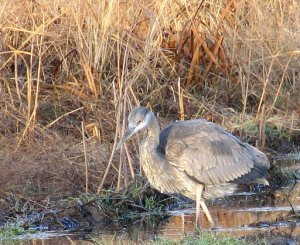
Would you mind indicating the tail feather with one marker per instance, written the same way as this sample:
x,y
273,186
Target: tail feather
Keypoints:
x,y
259,170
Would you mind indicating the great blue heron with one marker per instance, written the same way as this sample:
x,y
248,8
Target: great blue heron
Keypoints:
x,y
195,158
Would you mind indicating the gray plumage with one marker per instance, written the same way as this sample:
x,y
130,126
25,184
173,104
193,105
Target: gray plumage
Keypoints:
x,y
194,157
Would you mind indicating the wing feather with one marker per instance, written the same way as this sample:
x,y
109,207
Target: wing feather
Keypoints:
x,y
207,152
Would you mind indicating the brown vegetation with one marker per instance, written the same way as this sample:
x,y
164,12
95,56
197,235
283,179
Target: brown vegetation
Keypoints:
x,y
71,70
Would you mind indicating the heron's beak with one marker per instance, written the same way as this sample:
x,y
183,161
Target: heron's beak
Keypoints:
x,y
129,132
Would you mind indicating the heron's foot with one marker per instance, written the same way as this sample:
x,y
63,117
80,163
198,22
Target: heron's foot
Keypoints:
x,y
198,223
214,228
213,224
197,230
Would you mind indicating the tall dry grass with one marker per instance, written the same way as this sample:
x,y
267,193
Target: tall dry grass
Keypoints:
x,y
75,68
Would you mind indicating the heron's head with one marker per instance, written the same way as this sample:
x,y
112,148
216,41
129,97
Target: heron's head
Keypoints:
x,y
139,118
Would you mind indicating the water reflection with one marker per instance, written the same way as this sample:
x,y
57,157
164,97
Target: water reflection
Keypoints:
x,y
241,215
248,214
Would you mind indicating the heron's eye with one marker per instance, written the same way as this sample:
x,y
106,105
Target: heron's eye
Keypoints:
x,y
139,121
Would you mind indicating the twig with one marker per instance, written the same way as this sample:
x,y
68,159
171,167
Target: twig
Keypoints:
x,y
85,159
57,119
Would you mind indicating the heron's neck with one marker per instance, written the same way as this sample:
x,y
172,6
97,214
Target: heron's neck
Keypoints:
x,y
153,130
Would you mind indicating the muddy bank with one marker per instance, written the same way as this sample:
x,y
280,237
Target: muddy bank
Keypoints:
x,y
76,210
266,215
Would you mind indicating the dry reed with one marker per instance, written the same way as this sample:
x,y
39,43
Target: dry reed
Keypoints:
x,y
65,62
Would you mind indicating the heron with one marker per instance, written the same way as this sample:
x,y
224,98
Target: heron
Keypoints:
x,y
194,158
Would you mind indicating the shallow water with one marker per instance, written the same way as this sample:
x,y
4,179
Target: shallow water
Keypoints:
x,y
267,214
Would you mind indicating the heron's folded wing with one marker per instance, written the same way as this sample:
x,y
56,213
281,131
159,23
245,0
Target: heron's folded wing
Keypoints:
x,y
207,152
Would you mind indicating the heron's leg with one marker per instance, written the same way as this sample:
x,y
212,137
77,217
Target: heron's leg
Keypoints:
x,y
207,213
183,225
199,190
